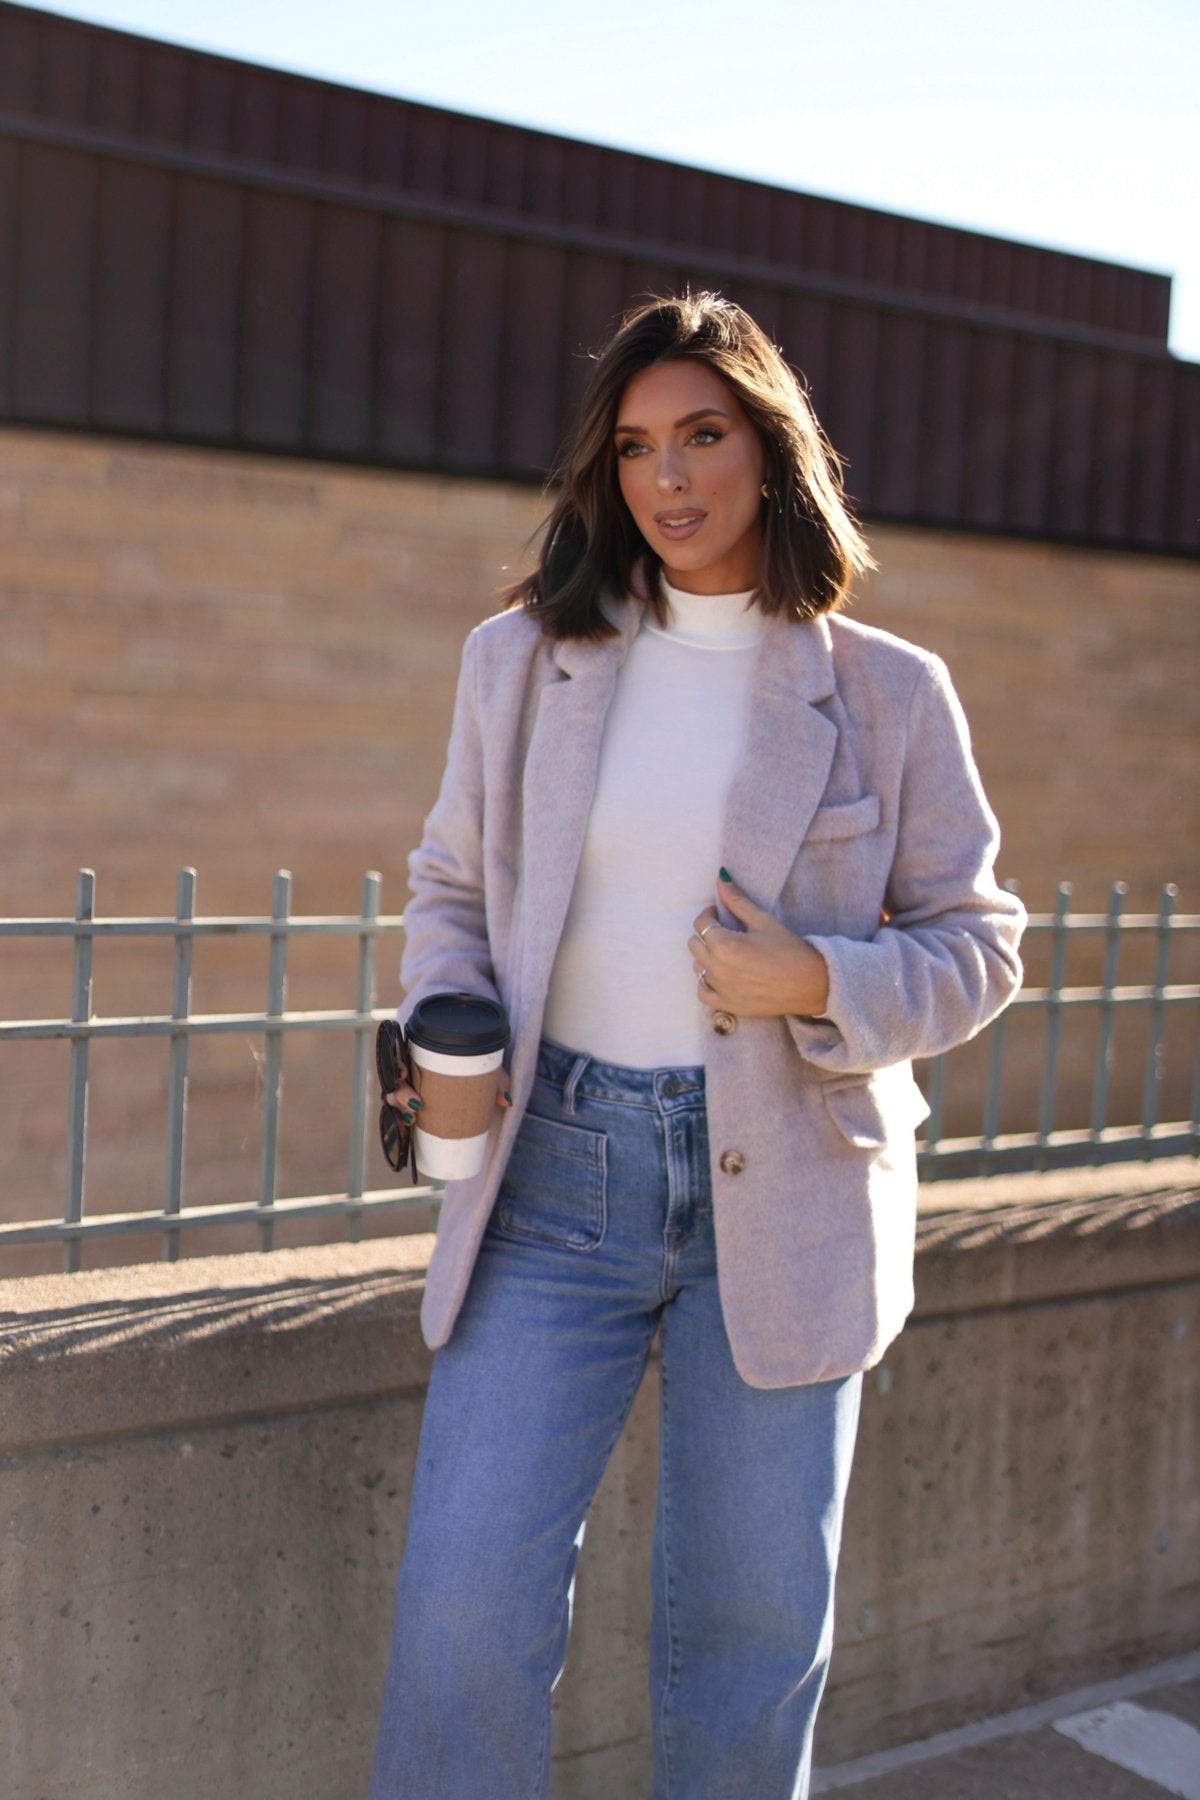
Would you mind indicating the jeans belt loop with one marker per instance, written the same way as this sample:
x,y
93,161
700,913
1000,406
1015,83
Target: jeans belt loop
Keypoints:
x,y
572,1082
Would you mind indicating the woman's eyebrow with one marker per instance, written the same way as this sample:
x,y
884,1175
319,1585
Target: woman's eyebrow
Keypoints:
x,y
705,412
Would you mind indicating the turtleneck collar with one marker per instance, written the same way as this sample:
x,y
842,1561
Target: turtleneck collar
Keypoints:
x,y
709,621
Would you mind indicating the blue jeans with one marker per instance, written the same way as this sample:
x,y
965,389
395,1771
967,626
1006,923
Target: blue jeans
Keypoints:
x,y
602,1233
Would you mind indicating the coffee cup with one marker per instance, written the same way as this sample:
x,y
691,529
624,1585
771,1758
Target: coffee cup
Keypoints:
x,y
456,1043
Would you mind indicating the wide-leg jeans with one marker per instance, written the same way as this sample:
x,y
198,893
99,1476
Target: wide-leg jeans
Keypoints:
x,y
602,1234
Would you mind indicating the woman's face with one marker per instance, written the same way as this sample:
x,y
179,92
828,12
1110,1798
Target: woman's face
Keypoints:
x,y
691,467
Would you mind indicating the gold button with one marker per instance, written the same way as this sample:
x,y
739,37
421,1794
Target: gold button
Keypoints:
x,y
724,1023
732,1162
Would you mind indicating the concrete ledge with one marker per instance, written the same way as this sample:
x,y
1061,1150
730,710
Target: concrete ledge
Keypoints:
x,y
214,1339
171,1346
204,1470
1026,1238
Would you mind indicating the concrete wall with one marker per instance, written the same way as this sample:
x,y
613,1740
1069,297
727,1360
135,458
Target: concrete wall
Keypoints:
x,y
204,1470
244,663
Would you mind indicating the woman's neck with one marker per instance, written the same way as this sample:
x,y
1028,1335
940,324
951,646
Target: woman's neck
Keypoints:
x,y
716,620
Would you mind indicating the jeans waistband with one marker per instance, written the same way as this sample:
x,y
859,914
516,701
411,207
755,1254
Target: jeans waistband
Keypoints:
x,y
577,1073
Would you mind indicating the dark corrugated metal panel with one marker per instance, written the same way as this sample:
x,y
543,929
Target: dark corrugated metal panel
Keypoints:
x,y
73,73
141,293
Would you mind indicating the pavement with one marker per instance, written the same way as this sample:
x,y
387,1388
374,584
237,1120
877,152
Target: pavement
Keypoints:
x,y
1136,1738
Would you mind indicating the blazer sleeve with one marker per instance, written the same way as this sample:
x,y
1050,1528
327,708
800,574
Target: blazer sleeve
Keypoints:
x,y
446,947
946,961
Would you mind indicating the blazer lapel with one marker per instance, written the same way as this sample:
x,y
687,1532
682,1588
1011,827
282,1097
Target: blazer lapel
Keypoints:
x,y
786,759
559,782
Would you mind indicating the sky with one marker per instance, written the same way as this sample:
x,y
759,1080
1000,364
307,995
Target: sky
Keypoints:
x,y
1066,123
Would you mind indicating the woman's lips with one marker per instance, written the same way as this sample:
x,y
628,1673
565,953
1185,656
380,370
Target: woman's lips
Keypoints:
x,y
680,524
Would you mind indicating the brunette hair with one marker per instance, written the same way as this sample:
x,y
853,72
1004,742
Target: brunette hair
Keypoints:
x,y
812,547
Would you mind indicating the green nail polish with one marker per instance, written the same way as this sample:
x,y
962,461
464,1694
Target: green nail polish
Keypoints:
x,y
508,1096
725,875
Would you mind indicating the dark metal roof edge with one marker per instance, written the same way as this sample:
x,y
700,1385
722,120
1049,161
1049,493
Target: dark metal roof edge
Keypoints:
x,y
267,177
324,83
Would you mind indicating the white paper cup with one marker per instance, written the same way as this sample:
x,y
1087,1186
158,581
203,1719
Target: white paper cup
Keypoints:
x,y
458,1107
456,1045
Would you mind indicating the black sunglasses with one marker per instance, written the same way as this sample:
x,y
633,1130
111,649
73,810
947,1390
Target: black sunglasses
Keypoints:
x,y
395,1129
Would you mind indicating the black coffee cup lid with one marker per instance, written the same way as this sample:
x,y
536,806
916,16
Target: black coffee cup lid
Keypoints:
x,y
458,1024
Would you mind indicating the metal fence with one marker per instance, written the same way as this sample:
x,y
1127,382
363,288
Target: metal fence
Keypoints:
x,y
1046,1145
178,1028
1050,1144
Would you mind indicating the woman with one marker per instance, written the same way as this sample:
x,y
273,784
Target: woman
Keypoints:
x,y
725,859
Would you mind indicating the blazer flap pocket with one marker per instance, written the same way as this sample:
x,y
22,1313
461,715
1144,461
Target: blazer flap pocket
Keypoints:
x,y
867,1112
852,820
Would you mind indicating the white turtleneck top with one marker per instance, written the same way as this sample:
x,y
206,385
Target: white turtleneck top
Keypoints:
x,y
622,985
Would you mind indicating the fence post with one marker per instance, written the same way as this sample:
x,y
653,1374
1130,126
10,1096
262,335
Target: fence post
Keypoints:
x,y
934,1094
995,1074
77,1085
272,1064
181,1001
1150,1089
1054,984
1104,1027
363,1034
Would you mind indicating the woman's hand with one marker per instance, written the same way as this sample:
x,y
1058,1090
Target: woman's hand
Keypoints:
x,y
760,972
406,1099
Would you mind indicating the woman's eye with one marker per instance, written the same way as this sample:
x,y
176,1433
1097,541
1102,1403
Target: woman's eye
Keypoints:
x,y
631,447
706,434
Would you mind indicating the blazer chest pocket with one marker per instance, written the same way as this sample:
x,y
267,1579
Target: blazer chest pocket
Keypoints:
x,y
831,824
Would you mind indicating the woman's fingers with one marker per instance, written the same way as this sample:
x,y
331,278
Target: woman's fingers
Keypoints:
x,y
705,941
704,922
405,1099
705,947
704,954
760,967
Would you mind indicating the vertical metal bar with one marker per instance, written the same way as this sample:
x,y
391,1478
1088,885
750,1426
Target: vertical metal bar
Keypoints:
x,y
1104,1026
272,1064
1154,1034
77,1082
361,1074
935,1095
995,1074
1058,959
991,1096
181,1000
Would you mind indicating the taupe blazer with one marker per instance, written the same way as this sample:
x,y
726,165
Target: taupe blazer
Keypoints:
x,y
855,797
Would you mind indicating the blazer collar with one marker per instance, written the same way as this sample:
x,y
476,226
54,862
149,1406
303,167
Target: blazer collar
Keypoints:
x,y
786,756
557,789
578,657
797,659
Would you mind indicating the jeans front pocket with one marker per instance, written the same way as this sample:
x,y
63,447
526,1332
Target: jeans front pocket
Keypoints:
x,y
553,1190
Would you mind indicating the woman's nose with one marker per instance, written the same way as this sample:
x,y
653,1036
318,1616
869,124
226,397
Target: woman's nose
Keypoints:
x,y
671,474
